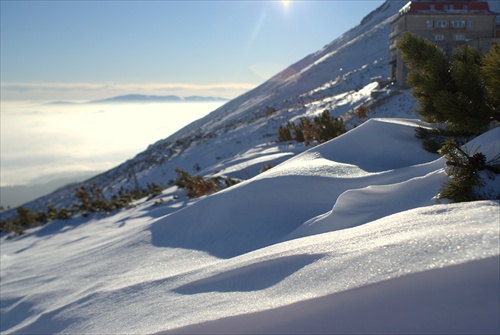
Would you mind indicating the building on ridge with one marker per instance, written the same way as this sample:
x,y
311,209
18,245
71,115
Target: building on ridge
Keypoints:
x,y
446,23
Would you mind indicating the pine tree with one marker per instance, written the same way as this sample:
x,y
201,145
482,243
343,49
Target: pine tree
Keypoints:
x,y
307,130
52,212
26,217
457,92
298,135
490,70
429,73
183,177
466,108
325,128
284,133
338,127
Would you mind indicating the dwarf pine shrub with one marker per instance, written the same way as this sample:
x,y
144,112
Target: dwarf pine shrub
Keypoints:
x,y
321,129
196,186
266,167
362,111
465,170
199,186
231,182
285,133
327,127
90,200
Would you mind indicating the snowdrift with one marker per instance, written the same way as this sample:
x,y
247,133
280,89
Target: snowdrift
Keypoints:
x,y
323,231
358,311
277,203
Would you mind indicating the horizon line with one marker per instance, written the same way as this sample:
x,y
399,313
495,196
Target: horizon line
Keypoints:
x,y
22,91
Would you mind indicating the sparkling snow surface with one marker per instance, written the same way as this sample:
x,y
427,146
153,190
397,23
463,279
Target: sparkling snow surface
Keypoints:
x,y
316,237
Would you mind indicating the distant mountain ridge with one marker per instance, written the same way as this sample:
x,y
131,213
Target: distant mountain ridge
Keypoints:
x,y
158,98
143,98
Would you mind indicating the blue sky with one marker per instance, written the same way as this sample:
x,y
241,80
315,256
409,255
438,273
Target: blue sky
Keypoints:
x,y
94,49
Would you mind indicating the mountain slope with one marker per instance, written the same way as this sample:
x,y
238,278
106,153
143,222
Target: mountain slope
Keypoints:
x,y
332,79
238,139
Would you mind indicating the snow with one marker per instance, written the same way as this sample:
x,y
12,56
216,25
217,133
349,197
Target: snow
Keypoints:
x,y
358,311
348,236
269,248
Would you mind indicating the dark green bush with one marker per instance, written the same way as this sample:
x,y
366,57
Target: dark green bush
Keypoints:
x,y
231,182
196,186
321,129
465,170
12,226
327,127
90,200
285,133
199,186
266,167
26,217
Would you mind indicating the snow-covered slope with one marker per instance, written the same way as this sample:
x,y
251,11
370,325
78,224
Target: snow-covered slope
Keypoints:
x,y
240,136
343,237
280,238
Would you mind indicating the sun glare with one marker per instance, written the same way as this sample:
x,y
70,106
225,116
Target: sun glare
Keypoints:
x,y
285,3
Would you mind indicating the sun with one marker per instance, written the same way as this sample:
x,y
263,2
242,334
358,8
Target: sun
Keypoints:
x,y
285,3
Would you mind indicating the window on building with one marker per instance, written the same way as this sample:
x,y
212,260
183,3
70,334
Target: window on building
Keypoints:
x,y
428,23
459,37
441,24
470,24
451,7
438,37
464,7
445,7
433,7
458,24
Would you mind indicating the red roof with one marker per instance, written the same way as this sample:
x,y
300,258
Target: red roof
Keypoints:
x,y
457,5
